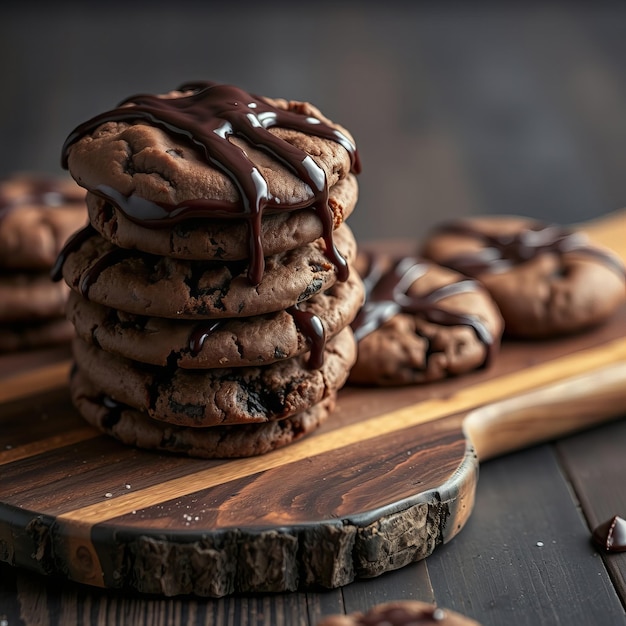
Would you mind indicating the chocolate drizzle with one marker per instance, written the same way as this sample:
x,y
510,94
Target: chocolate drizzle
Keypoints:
x,y
310,325
71,245
90,275
387,294
503,251
200,334
206,118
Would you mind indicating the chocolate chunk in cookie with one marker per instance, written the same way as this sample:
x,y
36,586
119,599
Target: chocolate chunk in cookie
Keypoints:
x,y
218,343
143,284
200,398
135,428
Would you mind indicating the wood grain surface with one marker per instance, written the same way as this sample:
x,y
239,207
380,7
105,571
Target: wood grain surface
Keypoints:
x,y
388,478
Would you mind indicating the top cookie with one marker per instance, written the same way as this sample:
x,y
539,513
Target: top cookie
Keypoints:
x,y
213,151
546,280
38,213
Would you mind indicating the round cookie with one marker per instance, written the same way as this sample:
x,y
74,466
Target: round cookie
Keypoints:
x,y
213,343
207,150
221,239
546,280
400,613
38,213
201,398
135,282
421,322
135,428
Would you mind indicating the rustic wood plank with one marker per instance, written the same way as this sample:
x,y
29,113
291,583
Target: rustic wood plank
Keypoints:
x,y
27,598
412,583
595,465
324,603
525,557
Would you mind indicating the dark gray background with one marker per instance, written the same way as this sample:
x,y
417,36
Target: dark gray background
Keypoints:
x,y
457,107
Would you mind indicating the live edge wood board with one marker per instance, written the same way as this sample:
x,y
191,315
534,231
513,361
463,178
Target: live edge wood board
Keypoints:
x,y
387,479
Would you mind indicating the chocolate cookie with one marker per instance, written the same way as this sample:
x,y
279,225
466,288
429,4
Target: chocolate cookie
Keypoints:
x,y
220,343
212,151
421,323
135,428
38,213
211,287
200,398
221,239
546,280
136,282
400,613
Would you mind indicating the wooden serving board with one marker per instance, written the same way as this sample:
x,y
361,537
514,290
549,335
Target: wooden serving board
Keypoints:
x,y
389,477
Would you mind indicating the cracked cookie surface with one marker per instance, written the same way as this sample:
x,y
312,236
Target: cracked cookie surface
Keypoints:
x,y
230,342
135,282
200,398
144,160
135,428
421,323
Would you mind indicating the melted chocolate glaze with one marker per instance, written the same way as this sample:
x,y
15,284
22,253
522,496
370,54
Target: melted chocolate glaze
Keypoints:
x,y
502,252
386,295
311,327
200,334
71,245
206,118
309,324
90,276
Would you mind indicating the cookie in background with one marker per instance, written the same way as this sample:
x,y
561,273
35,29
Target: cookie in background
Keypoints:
x,y
547,280
38,213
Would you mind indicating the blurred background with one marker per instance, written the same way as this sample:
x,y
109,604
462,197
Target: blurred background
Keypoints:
x,y
457,107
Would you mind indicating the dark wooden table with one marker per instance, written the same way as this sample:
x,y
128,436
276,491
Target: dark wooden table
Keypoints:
x,y
457,109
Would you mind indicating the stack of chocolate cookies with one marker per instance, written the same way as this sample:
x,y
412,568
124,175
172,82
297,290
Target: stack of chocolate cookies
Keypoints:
x,y
212,295
38,213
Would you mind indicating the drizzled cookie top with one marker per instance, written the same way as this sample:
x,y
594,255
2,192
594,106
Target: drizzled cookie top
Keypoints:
x,y
501,251
235,133
388,293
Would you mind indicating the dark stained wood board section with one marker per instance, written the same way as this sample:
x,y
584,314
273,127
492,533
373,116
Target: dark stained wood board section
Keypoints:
x,y
387,479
